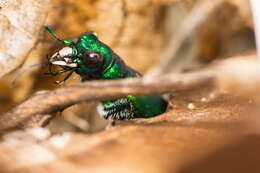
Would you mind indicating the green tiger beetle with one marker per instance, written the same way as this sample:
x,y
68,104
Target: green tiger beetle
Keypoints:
x,y
94,60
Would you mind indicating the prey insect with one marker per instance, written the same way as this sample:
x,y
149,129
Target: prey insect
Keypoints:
x,y
91,59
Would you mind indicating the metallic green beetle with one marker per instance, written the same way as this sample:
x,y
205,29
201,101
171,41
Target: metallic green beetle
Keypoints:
x,y
93,60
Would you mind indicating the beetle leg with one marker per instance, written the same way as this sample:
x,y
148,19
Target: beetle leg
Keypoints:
x,y
65,79
50,68
118,110
56,72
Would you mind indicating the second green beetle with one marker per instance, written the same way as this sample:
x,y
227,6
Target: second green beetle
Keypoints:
x,y
94,60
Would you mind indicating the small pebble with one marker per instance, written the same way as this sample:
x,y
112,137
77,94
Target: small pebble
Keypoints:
x,y
203,99
212,95
191,106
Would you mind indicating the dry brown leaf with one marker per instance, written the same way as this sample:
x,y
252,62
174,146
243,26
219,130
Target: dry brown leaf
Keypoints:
x,y
20,24
166,143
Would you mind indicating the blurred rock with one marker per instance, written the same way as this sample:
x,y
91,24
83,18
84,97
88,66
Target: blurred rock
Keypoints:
x,y
21,22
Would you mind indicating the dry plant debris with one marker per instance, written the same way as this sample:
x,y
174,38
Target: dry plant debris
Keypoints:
x,y
167,143
46,102
212,112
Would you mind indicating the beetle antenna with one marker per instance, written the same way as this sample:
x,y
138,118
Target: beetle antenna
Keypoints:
x,y
66,42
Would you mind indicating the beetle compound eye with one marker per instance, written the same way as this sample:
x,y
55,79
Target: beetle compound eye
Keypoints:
x,y
92,59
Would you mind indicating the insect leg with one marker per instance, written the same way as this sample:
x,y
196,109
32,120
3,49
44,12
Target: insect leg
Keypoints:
x,y
50,68
56,72
65,79
119,109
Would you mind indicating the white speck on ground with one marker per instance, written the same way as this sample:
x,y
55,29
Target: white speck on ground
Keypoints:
x,y
39,133
18,138
191,106
60,141
203,99
212,95
100,108
34,154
